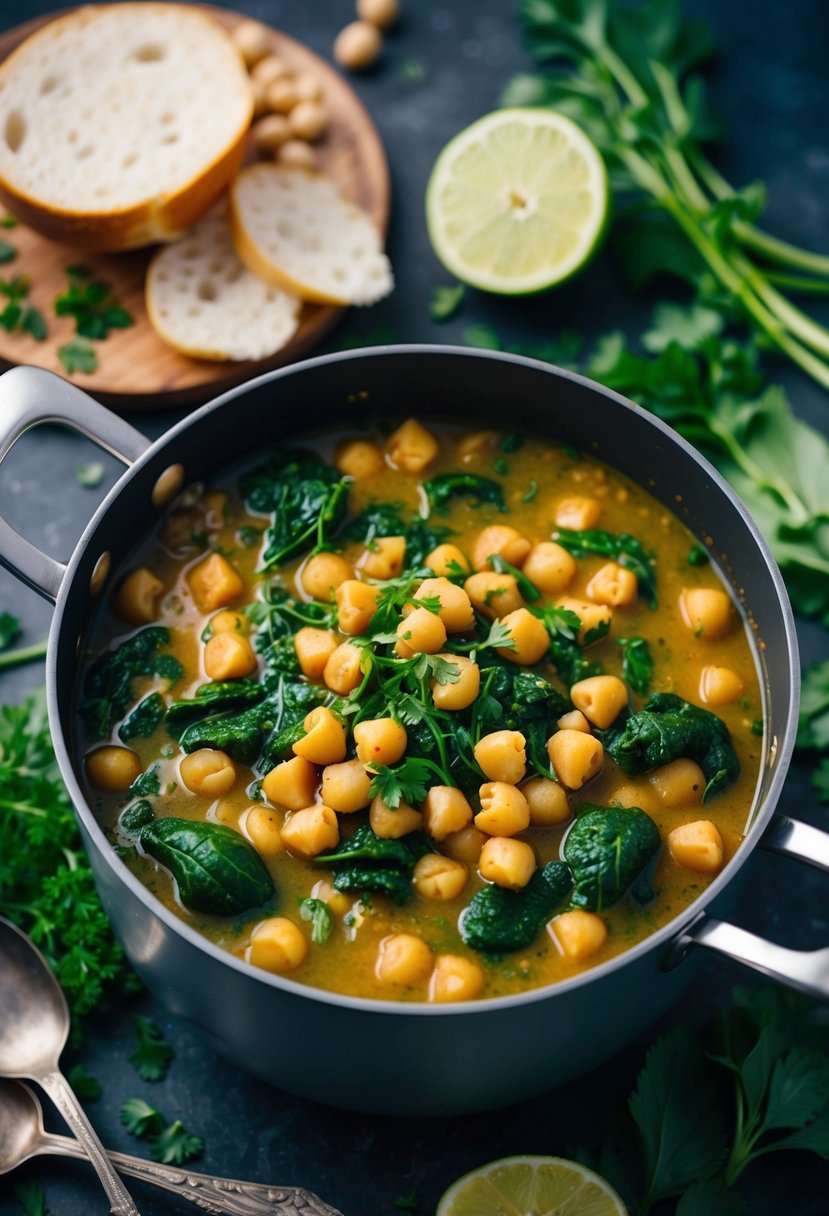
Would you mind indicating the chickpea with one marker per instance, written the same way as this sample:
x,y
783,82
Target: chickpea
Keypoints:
x,y
530,639
228,656
493,595
324,742
136,600
346,787
504,810
639,794
269,69
438,878
575,757
502,755
578,934
280,96
403,960
297,154
112,769
270,132
574,720
277,945
445,559
252,40
411,448
314,647
380,741
455,978
357,46
308,120
214,583
262,826
393,822
550,567
464,690
356,605
593,617
230,621
680,783
719,686
382,13
600,698
548,802
421,632
706,611
455,605
697,846
313,830
308,87
577,513
337,901
384,559
343,671
612,584
358,458
500,540
324,573
465,845
291,784
260,102
445,810
507,862
477,446
208,772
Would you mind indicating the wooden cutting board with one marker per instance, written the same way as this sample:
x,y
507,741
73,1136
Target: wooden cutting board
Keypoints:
x,y
137,370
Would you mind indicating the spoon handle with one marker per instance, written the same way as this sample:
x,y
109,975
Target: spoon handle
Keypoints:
x,y
218,1196
64,1099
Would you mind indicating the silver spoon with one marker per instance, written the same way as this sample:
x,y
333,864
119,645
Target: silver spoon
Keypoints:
x,y
34,1024
22,1136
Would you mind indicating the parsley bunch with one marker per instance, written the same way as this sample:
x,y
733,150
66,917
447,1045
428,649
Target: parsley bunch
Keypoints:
x,y
46,883
628,76
170,1143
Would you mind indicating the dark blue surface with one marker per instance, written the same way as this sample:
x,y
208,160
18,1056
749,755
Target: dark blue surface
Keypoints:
x,y
770,84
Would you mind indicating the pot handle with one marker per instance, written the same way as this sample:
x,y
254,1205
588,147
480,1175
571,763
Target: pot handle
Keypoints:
x,y
31,396
805,970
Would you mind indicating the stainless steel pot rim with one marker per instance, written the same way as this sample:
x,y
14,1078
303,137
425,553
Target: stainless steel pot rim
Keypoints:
x,y
662,938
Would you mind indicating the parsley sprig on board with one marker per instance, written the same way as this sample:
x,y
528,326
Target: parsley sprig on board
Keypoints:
x,y
92,305
627,74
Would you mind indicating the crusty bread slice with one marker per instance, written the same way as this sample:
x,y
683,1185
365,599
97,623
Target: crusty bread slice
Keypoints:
x,y
294,228
205,303
120,124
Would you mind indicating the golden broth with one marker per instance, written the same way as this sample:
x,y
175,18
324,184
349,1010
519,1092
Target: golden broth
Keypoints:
x,y
535,477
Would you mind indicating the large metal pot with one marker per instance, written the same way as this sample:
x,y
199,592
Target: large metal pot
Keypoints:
x,y
378,1055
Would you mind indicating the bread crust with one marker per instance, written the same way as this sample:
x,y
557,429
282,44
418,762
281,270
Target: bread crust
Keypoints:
x,y
160,218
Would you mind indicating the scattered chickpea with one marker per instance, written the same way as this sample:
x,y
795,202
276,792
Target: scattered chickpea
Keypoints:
x,y
502,541
262,826
343,671
337,901
346,787
311,831
493,595
357,46
697,847
380,741
530,639
230,621
464,690
112,769
592,616
548,802
550,567
277,945
324,740
393,822
297,154
136,600
291,784
465,845
403,960
446,810
314,648
438,878
271,132
229,656
308,120
280,95
719,686
504,810
575,757
359,458
422,632
574,719
680,783
455,978
208,771
578,934
382,13
612,584
356,605
445,558
385,558
411,448
600,698
507,862
455,605
324,573
502,755
252,40
269,69
706,611
214,583
577,513
307,87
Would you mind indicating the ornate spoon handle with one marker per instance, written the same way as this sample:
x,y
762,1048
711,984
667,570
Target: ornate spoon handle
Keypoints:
x,y
214,1195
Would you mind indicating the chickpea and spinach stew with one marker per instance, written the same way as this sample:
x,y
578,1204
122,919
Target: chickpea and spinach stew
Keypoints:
x,y
431,716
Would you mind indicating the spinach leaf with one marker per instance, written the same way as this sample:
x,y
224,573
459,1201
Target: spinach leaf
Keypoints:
x,y
146,784
321,917
516,699
622,547
637,664
442,489
239,734
497,921
108,683
367,862
566,652
608,849
386,519
305,497
136,816
144,719
216,870
227,694
667,728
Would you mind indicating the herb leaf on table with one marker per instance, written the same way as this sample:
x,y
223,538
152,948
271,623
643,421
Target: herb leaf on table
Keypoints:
x,y
152,1056
92,305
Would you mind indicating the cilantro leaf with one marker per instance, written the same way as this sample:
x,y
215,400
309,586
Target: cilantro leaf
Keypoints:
x,y
34,324
153,1056
78,356
686,326
86,1087
174,1145
445,301
405,782
140,1119
321,917
92,305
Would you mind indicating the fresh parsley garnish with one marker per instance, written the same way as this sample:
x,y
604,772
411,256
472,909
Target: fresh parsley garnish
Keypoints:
x,y
86,1087
92,305
18,315
445,301
90,475
7,253
78,356
152,1056
321,918
10,630
170,1143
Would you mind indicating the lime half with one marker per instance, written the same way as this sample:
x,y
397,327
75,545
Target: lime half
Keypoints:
x,y
531,1186
517,202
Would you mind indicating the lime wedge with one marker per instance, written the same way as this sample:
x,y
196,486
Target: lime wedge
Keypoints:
x,y
517,202
531,1186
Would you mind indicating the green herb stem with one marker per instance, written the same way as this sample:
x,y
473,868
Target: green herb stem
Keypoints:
x,y
24,654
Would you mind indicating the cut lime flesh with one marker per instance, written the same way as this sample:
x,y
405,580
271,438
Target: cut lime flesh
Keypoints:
x,y
531,1186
